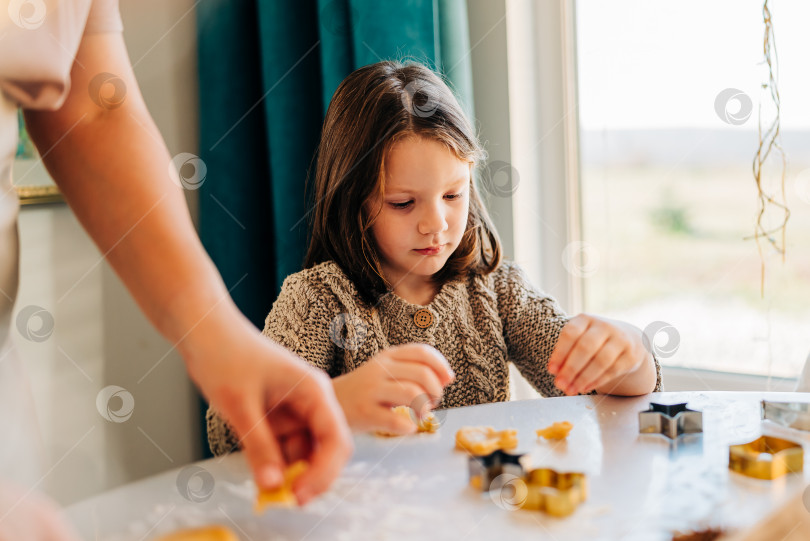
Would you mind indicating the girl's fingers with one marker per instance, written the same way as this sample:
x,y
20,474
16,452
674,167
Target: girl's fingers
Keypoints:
x,y
393,393
585,349
427,355
386,419
569,335
625,364
418,374
604,362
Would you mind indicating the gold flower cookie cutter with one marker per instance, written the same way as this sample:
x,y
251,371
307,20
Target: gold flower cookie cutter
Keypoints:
x,y
556,493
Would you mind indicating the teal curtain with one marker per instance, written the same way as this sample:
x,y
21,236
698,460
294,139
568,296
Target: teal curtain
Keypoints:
x,y
267,73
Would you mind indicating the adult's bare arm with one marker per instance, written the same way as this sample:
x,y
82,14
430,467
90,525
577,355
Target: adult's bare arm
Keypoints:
x,y
112,166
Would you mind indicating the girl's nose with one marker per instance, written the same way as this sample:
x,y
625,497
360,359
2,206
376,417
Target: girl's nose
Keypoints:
x,y
432,221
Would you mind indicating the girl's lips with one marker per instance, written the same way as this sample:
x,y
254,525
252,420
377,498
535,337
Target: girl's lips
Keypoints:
x,y
430,251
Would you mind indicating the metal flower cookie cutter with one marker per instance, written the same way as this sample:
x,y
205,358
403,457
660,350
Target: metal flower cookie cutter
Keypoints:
x,y
766,457
485,469
670,420
790,414
556,493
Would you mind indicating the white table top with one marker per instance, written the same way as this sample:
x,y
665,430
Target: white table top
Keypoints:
x,y
640,486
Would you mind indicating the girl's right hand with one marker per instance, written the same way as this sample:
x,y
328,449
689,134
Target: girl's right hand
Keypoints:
x,y
397,376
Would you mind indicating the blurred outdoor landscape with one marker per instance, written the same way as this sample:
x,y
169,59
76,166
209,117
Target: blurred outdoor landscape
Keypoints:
x,y
668,212
668,193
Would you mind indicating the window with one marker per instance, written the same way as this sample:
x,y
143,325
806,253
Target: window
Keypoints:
x,y
667,190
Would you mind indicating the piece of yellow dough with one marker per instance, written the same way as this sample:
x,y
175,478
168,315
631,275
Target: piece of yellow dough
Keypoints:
x,y
483,440
283,496
557,431
208,533
427,424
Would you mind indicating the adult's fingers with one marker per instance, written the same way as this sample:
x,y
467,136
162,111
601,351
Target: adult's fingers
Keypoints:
x,y
296,446
427,355
249,420
314,401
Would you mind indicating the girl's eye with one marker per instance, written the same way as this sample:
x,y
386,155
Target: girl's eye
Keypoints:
x,y
453,196
404,205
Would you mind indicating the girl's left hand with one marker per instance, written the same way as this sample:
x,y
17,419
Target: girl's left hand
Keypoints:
x,y
597,353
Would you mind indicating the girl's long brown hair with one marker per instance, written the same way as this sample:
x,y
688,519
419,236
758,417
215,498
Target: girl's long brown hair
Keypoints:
x,y
372,109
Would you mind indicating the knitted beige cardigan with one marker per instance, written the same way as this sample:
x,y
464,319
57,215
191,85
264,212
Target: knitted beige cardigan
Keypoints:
x,y
478,323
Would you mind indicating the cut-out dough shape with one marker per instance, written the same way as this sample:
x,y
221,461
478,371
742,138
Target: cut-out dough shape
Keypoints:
x,y
428,423
208,533
483,440
282,496
556,431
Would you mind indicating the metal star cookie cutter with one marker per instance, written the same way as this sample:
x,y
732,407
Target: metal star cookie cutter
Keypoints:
x,y
766,457
558,494
485,469
670,420
789,414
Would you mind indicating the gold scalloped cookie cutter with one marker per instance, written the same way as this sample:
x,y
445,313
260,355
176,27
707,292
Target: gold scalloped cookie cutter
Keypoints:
x,y
766,457
558,494
484,440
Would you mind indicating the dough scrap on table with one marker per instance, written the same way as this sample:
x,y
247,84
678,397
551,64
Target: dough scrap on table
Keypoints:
x,y
282,496
428,423
207,533
483,440
556,431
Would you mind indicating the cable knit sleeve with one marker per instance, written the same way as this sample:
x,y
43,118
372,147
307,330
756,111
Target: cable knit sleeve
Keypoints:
x,y
532,323
300,321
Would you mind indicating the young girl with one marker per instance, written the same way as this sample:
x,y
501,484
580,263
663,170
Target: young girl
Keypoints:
x,y
404,253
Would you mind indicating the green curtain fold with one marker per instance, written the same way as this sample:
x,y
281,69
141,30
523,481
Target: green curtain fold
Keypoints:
x,y
267,74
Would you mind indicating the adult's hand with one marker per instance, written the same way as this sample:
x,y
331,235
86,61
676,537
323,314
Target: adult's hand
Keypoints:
x,y
281,408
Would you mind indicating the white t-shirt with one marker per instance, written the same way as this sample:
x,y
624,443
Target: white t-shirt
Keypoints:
x,y
38,43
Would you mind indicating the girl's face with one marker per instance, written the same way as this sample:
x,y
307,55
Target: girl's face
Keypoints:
x,y
423,213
